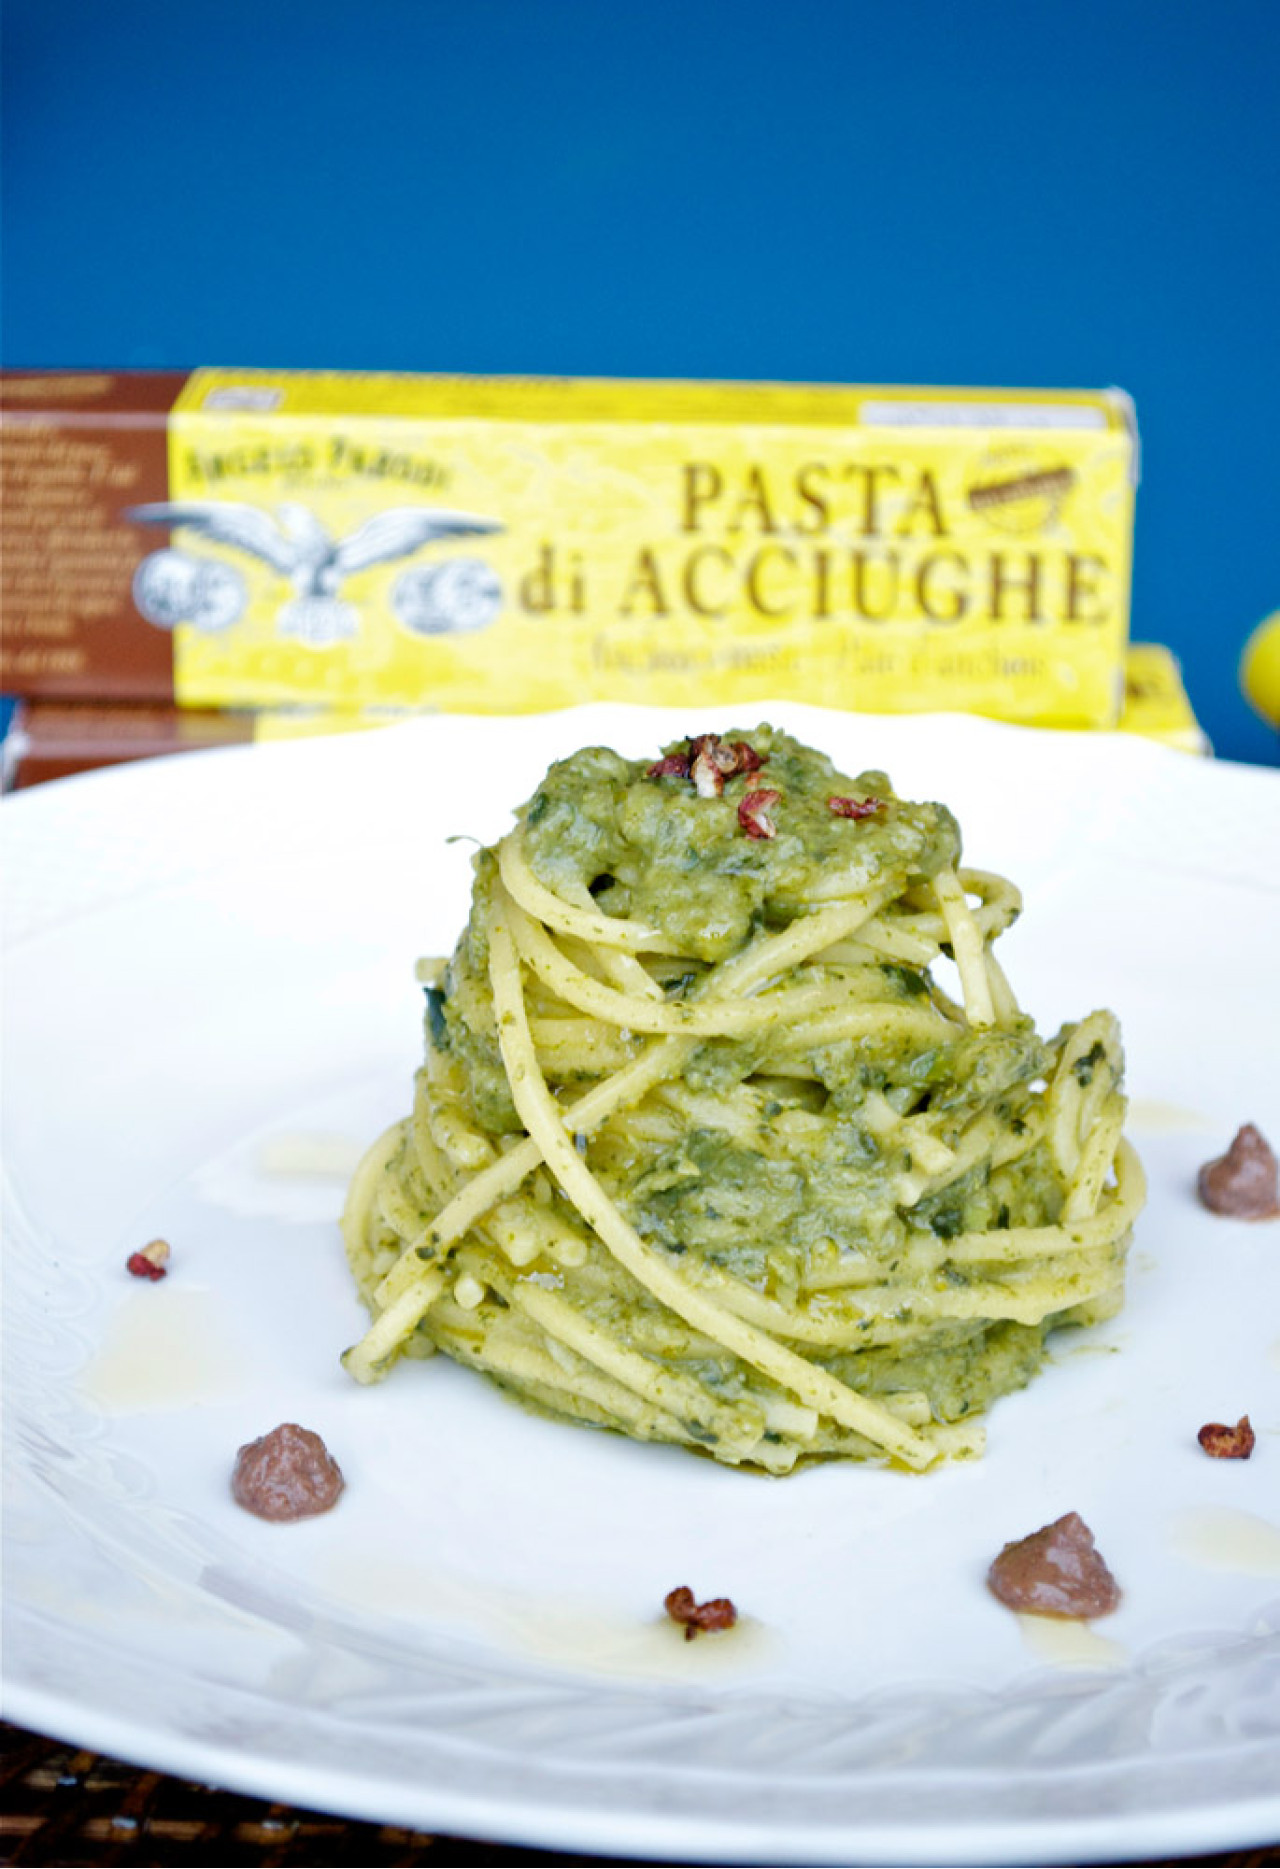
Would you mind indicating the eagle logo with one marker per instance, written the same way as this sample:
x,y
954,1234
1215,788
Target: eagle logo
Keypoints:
x,y
299,546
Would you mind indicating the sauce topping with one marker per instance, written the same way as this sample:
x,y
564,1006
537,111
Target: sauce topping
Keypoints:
x,y
1221,1442
287,1474
151,1262
715,1614
1055,1572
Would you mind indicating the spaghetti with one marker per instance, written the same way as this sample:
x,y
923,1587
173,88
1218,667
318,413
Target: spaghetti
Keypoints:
x,y
704,1151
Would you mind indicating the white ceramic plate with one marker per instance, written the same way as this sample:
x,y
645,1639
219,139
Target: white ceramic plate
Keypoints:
x,y
211,1007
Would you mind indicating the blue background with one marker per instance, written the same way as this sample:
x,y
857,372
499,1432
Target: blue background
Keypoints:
x,y
1051,196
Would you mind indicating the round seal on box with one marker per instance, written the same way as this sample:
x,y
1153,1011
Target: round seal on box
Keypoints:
x,y
454,598
219,597
172,587
163,587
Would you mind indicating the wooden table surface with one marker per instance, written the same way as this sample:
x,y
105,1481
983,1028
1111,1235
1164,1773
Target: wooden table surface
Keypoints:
x,y
64,1805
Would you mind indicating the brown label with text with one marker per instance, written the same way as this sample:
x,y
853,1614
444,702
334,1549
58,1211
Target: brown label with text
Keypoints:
x,y
75,450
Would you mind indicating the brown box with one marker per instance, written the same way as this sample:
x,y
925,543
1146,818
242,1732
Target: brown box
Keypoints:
x,y
76,449
54,739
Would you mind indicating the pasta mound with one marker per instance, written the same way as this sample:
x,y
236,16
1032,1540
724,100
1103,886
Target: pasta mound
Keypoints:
x,y
704,1151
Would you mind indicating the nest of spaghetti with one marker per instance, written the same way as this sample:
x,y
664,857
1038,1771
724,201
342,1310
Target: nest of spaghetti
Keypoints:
x,y
730,1131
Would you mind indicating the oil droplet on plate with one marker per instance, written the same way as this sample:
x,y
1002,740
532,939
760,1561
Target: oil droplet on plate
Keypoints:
x,y
164,1348
654,1649
1159,1118
1069,1644
310,1152
1225,1538
581,1636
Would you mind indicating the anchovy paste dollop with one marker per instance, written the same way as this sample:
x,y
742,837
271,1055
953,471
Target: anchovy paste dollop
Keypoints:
x,y
1057,1571
1245,1182
287,1474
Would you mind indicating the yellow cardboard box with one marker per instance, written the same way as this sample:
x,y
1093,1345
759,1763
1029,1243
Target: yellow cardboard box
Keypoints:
x,y
507,545
1156,702
1156,707
48,739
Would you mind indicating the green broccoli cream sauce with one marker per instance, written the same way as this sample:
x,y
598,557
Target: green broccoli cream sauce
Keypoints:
x,y
656,850
779,1181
